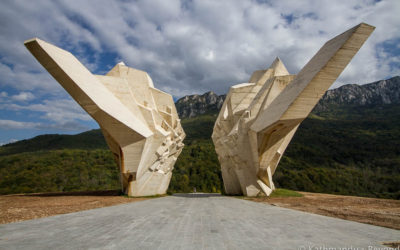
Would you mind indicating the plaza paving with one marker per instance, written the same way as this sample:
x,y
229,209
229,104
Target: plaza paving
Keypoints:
x,y
192,221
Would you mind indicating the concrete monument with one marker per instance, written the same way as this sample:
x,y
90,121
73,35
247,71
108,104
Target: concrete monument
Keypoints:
x,y
258,119
139,122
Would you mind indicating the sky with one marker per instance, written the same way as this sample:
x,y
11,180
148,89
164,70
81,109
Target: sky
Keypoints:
x,y
187,47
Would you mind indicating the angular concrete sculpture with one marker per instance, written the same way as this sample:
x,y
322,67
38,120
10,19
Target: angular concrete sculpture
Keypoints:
x,y
258,119
139,122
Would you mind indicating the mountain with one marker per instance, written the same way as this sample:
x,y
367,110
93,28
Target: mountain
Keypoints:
x,y
349,144
376,93
194,105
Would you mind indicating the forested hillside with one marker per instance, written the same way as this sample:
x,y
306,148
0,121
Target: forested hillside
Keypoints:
x,y
348,151
341,148
350,144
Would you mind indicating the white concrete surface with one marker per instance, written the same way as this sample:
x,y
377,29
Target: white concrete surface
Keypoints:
x,y
192,221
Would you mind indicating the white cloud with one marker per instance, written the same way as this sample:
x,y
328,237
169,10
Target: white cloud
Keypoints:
x,y
8,141
187,47
10,124
20,77
67,126
59,111
3,96
194,46
23,97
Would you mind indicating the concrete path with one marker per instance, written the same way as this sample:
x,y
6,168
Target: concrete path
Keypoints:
x,y
192,222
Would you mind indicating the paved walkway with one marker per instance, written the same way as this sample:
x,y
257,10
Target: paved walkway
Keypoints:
x,y
192,222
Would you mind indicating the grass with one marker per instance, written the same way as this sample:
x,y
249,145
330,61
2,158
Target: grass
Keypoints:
x,y
147,197
277,193
281,192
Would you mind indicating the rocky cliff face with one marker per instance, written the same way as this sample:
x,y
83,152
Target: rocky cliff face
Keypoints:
x,y
376,93
193,105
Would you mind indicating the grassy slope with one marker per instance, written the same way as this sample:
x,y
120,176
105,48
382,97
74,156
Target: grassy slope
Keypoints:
x,y
281,192
343,150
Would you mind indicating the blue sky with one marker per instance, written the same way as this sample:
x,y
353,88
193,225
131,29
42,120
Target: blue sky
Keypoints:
x,y
187,47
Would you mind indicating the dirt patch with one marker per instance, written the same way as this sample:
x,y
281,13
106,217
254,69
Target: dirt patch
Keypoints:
x,y
395,244
379,212
15,208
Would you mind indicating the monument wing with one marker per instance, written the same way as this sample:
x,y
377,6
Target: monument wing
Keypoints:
x,y
139,122
258,119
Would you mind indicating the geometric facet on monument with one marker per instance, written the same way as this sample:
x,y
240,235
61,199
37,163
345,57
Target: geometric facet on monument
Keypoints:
x,y
139,122
258,119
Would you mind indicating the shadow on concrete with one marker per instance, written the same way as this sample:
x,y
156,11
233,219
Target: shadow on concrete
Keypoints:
x,y
196,195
